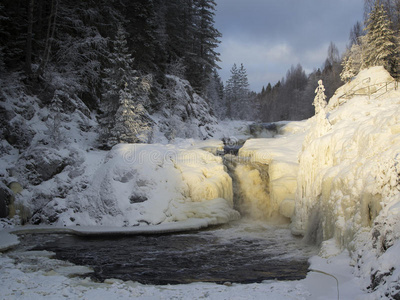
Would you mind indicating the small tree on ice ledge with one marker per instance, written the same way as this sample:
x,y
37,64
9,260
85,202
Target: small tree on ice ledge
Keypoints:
x,y
320,104
320,99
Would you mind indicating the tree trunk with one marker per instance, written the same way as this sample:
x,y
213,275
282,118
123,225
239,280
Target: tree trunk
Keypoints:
x,y
28,50
50,36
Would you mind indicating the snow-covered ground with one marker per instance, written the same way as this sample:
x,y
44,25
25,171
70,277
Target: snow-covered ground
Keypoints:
x,y
336,176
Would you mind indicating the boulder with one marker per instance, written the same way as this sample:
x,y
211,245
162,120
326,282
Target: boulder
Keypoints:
x,y
42,164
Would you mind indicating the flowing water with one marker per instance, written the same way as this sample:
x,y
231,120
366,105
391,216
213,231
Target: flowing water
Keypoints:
x,y
242,252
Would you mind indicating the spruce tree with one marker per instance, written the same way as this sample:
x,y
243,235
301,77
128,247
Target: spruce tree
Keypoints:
x,y
348,71
381,47
237,94
118,77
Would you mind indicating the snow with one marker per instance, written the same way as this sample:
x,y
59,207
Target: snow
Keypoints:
x,y
7,240
139,184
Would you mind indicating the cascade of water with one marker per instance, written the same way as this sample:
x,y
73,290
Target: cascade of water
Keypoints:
x,y
250,182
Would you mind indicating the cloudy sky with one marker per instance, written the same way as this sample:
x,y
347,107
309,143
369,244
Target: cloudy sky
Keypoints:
x,y
268,36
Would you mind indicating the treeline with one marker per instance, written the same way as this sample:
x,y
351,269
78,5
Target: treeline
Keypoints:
x,y
100,51
291,98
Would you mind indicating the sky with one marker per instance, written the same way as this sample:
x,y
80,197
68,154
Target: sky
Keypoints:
x,y
269,36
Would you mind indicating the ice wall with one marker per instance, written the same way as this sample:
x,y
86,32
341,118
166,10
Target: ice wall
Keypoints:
x,y
271,196
349,169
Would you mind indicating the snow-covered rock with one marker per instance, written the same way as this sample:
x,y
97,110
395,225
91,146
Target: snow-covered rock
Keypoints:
x,y
185,114
140,184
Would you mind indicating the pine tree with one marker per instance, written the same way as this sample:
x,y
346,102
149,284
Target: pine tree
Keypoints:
x,y
202,58
232,91
381,47
141,28
237,94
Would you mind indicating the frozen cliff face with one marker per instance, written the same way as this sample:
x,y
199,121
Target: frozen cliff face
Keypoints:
x,y
346,166
349,170
278,157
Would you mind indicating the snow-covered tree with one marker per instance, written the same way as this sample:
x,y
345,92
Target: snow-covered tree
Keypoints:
x,y
118,76
381,47
320,98
348,71
120,72
132,123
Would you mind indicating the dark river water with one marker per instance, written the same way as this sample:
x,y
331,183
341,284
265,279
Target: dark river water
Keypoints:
x,y
242,252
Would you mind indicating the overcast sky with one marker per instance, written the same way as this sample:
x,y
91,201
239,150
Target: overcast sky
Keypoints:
x,y
268,36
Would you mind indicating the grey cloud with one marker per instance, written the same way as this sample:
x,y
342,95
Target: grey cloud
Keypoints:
x,y
305,26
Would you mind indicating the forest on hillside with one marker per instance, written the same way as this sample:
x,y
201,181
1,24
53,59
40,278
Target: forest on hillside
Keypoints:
x,y
113,56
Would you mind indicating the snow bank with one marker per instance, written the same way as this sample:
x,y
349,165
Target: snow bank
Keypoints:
x,y
141,184
369,82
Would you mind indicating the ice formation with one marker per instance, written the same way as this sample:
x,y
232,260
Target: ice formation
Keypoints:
x,y
350,171
278,156
333,174
141,184
337,176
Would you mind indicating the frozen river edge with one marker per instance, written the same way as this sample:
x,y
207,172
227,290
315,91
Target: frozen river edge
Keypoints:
x,y
9,238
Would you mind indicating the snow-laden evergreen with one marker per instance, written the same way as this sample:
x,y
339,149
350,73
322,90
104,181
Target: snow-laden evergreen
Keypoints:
x,y
320,98
381,47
